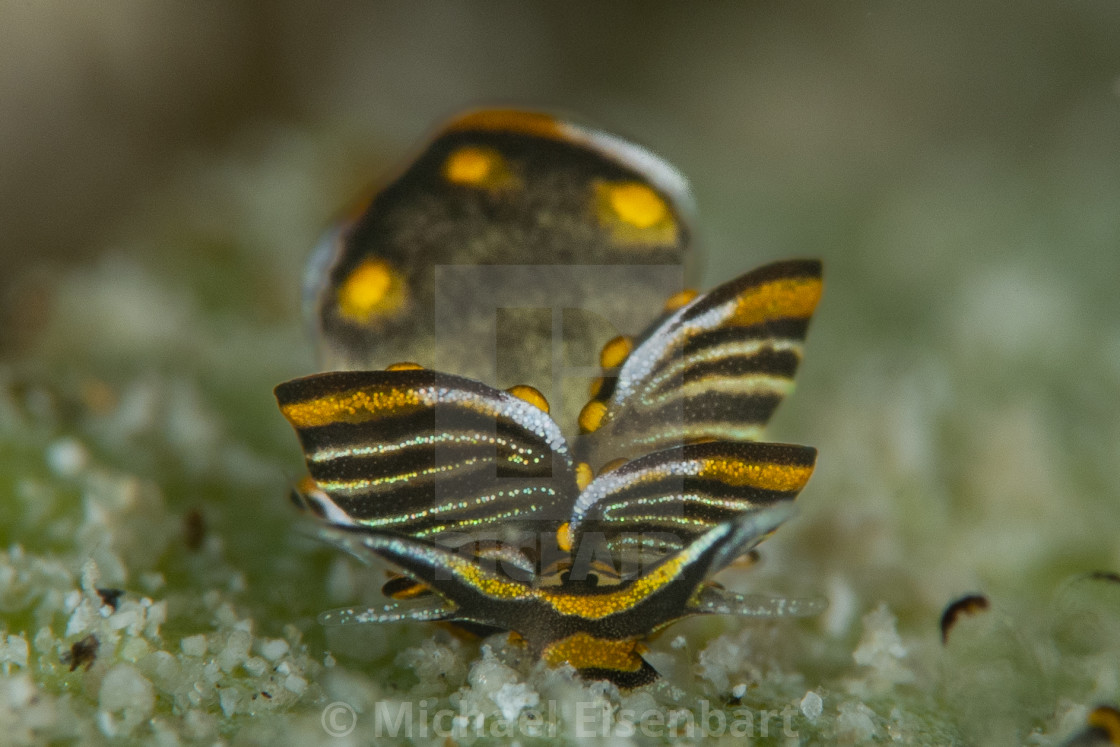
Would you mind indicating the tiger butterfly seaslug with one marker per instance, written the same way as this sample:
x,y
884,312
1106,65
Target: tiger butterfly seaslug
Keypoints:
x,y
581,549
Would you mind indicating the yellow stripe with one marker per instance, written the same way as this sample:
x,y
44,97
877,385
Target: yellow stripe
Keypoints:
x,y
411,592
672,366
588,607
354,406
735,472
778,299
598,606
491,586
364,483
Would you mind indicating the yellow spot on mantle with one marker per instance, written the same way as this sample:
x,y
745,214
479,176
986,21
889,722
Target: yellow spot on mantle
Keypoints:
x,y
636,204
475,166
374,289
634,213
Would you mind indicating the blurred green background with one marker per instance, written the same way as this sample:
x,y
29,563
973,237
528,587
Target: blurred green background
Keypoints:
x,y
165,168
799,124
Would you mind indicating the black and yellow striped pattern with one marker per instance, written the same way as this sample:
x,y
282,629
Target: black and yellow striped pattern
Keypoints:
x,y
474,494
717,368
430,455
598,631
661,502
